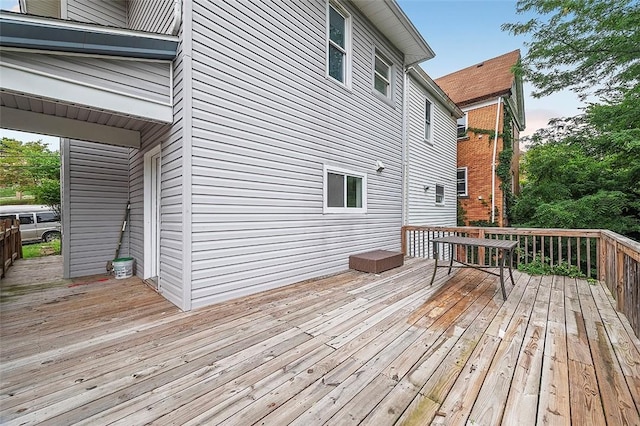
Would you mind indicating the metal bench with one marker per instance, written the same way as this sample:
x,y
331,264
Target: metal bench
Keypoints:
x,y
505,248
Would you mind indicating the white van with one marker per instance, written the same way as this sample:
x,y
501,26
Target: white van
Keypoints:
x,y
37,223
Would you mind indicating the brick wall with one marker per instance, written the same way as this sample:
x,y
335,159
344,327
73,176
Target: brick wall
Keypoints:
x,y
476,153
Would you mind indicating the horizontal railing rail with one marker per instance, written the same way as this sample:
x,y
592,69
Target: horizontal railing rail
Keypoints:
x,y
599,254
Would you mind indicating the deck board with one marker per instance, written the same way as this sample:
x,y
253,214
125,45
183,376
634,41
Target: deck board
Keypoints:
x,y
353,348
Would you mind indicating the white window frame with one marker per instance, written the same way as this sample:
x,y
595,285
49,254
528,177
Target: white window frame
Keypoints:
x,y
347,44
428,128
466,181
466,126
440,203
325,191
387,79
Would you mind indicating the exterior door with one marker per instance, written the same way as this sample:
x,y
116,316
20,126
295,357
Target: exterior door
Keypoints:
x,y
152,188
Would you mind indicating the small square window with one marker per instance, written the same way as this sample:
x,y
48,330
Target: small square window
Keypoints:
x,y
427,120
382,75
345,191
462,126
439,194
461,182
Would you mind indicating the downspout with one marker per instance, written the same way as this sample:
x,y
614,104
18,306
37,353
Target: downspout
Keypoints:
x,y
405,146
493,164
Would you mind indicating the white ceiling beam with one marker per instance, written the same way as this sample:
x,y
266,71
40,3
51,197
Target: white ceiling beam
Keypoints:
x,y
33,122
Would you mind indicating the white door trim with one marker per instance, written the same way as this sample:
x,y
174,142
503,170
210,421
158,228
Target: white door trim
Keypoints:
x,y
149,245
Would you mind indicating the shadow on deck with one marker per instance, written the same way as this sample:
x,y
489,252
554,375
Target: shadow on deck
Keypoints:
x,y
352,348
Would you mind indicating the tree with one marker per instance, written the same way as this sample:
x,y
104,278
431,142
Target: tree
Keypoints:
x,y
580,45
31,166
584,172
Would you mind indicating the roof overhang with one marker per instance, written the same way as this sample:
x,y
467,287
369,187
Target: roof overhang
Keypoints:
x,y
422,78
388,17
49,34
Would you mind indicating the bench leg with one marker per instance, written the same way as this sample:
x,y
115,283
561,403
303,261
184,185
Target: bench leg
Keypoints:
x,y
435,267
451,248
511,266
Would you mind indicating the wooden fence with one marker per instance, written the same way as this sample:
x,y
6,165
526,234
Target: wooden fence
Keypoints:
x,y
10,243
599,254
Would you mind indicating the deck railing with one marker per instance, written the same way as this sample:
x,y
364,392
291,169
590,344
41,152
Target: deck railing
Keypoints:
x,y
598,254
10,244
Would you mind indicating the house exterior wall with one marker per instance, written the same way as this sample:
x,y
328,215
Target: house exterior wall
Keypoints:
x,y
95,194
430,162
265,122
173,141
476,153
104,12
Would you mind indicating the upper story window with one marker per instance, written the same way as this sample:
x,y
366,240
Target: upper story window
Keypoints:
x,y
344,191
439,194
338,44
462,126
461,182
382,75
428,107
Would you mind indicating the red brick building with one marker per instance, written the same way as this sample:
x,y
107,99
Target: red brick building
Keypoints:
x,y
491,96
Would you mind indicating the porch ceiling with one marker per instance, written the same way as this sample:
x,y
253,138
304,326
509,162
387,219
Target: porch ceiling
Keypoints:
x,y
30,114
83,81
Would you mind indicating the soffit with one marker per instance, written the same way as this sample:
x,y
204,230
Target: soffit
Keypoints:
x,y
388,18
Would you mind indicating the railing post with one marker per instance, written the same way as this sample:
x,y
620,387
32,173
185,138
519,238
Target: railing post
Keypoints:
x,y
602,249
18,240
481,250
403,240
620,278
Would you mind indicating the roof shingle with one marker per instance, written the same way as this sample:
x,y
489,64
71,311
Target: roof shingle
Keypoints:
x,y
485,80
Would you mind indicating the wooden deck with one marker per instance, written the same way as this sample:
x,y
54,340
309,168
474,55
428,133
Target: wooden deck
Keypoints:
x,y
348,349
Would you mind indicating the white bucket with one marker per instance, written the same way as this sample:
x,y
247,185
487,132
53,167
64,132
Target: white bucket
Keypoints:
x,y
123,267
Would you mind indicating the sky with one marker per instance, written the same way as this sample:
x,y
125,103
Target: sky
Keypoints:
x,y
464,33
461,33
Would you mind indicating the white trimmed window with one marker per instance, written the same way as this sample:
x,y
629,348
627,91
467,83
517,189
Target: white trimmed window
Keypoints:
x,y
428,116
462,126
439,194
382,75
338,44
345,191
461,182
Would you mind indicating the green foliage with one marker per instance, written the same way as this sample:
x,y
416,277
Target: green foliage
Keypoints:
x,y
584,172
42,249
580,44
31,167
542,266
572,186
461,216
503,169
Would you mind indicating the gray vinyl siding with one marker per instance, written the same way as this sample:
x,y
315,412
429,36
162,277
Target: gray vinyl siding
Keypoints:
x,y
148,80
104,12
154,16
151,136
265,121
430,163
50,8
97,198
